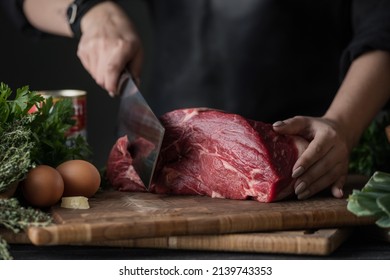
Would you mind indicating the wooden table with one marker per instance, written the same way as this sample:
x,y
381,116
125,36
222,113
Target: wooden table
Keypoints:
x,y
114,216
363,244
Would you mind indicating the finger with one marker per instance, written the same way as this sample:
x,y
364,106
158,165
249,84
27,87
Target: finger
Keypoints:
x,y
337,187
293,126
323,167
306,188
100,70
316,149
111,76
90,59
301,126
136,66
131,55
314,152
108,77
113,67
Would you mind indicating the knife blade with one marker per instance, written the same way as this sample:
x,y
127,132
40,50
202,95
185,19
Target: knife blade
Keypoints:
x,y
144,130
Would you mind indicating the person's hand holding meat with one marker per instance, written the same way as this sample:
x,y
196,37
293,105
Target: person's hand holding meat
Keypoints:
x,y
325,162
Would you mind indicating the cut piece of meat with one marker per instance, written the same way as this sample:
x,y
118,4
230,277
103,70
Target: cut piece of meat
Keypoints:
x,y
214,153
120,171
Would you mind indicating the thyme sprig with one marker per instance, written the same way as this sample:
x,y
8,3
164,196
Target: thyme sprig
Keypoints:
x,y
15,154
33,130
4,252
15,217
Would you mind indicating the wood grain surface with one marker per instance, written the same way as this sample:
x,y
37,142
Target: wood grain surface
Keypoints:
x,y
117,215
300,242
303,242
136,220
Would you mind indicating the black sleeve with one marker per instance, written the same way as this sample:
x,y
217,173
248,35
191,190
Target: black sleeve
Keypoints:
x,y
370,27
14,10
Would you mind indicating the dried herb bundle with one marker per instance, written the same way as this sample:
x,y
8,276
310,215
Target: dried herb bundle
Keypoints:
x,y
15,150
15,217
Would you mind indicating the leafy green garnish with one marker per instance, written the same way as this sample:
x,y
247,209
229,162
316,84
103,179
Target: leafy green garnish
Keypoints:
x,y
373,199
49,129
12,110
373,151
49,125
383,222
33,130
384,203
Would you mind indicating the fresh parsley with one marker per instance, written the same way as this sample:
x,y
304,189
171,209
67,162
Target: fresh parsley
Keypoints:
x,y
33,130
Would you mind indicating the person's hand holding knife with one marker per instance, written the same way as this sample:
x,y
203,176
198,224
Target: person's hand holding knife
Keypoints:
x,y
108,43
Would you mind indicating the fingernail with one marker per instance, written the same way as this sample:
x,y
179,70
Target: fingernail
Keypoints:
x,y
110,93
340,193
278,123
298,172
304,195
300,188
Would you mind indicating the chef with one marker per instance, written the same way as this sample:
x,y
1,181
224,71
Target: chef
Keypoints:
x,y
318,69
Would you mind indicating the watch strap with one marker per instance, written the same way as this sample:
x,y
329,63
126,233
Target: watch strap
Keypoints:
x,y
76,11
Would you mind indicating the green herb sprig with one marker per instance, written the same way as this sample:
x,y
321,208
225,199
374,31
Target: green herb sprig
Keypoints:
x,y
48,124
49,129
373,199
16,109
373,150
33,130
15,154
15,217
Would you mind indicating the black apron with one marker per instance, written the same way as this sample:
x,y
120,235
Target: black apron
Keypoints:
x,y
264,59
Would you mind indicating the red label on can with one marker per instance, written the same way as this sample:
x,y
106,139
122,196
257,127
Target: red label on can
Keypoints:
x,y
80,116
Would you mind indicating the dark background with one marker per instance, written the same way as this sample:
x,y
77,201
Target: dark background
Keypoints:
x,y
52,63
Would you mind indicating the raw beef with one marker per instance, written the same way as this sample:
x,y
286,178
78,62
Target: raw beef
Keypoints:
x,y
213,153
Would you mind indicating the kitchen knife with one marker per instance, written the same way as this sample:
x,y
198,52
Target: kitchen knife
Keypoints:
x,y
143,129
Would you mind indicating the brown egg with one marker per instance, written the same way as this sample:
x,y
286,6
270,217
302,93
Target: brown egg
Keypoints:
x,y
43,186
81,178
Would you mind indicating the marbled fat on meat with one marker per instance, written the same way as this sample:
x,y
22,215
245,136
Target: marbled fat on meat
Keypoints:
x,y
213,153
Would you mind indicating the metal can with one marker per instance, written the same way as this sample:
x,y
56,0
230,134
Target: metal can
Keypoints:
x,y
79,101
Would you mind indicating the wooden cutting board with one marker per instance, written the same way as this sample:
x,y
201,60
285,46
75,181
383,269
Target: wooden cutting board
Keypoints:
x,y
117,215
300,242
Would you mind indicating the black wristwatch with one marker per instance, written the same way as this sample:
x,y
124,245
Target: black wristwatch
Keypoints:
x,y
76,11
